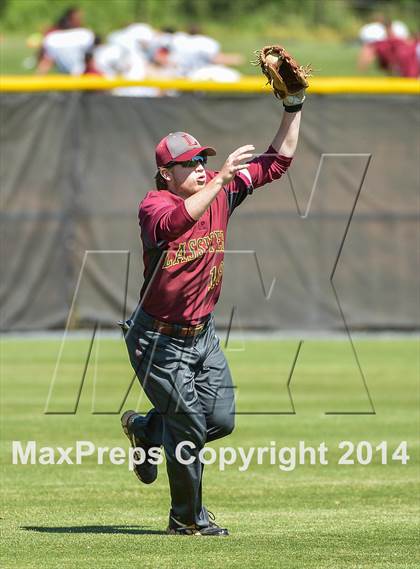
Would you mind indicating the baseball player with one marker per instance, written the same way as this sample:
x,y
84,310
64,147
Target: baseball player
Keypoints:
x,y
171,337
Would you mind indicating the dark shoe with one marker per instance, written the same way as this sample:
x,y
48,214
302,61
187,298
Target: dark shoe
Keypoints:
x,y
145,472
177,528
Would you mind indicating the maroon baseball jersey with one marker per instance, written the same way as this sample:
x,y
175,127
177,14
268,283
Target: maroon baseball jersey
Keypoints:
x,y
398,56
183,258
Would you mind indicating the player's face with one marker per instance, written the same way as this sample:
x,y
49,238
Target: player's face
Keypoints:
x,y
76,18
188,178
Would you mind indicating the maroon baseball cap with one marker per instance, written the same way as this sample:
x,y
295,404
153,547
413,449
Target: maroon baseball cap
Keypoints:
x,y
178,147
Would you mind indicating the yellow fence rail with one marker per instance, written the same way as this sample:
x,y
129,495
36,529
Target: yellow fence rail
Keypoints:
x,y
318,85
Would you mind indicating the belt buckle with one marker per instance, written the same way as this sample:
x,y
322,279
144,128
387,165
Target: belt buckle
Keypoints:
x,y
197,329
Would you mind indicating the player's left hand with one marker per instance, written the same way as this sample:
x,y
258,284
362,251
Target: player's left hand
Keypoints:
x,y
235,162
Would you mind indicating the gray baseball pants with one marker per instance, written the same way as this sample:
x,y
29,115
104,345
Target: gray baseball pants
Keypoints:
x,y
190,386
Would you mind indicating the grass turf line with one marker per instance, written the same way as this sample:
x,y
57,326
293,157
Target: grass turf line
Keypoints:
x,y
314,517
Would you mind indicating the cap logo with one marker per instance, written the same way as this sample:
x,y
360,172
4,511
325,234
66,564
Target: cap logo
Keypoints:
x,y
190,140
180,142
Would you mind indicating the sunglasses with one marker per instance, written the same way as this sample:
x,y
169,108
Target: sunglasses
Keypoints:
x,y
190,163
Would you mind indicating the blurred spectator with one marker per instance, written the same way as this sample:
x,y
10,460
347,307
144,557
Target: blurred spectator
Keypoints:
x,y
134,41
71,18
65,44
161,39
135,38
212,49
90,66
193,51
111,60
182,54
189,52
377,30
389,45
135,52
161,64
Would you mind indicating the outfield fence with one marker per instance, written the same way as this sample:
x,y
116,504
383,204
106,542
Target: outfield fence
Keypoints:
x,y
336,238
318,85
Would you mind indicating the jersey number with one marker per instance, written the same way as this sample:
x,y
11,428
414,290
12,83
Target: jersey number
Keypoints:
x,y
216,274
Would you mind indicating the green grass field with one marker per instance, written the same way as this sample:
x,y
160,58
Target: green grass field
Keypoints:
x,y
316,516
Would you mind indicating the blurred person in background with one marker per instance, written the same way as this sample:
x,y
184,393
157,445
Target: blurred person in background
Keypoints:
x,y
191,51
135,38
161,64
65,44
111,60
211,64
134,41
389,45
192,55
90,66
135,52
212,48
376,30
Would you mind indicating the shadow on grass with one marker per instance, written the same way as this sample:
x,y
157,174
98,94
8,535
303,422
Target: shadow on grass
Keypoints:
x,y
130,530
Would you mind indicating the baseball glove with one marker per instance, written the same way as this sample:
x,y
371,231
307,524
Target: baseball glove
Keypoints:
x,y
286,77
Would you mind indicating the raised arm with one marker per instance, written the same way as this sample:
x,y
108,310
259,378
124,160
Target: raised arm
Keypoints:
x,y
261,170
289,81
286,138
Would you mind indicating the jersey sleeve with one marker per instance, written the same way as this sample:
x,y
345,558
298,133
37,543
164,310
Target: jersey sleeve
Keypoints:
x,y
163,221
261,170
